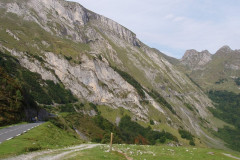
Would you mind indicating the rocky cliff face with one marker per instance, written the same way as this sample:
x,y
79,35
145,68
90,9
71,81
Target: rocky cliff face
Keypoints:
x,y
68,44
196,60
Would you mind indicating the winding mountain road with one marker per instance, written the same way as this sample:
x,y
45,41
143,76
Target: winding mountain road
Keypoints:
x,y
13,131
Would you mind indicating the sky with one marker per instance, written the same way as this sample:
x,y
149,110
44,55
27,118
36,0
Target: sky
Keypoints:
x,y
174,26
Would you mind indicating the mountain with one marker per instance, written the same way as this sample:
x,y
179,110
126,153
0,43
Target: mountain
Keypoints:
x,y
67,49
220,71
196,60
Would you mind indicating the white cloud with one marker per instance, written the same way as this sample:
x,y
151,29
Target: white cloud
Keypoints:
x,y
177,25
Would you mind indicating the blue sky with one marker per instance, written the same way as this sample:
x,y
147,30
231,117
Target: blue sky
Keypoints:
x,y
173,26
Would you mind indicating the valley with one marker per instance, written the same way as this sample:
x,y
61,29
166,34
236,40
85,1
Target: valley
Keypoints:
x,y
86,76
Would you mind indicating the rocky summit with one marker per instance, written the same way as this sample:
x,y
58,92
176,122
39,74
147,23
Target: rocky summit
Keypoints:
x,y
196,60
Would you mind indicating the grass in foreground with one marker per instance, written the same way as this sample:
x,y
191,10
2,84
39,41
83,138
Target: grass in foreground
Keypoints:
x,y
162,152
45,136
96,154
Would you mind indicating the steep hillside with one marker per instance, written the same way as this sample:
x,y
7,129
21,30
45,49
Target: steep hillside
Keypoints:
x,y
102,62
21,89
220,71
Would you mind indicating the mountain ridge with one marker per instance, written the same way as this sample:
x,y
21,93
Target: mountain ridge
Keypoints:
x,y
102,62
218,72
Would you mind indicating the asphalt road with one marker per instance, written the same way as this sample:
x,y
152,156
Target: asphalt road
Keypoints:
x,y
13,131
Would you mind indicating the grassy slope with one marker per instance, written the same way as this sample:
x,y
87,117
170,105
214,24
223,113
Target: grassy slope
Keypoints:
x,y
152,153
215,71
45,136
96,154
111,114
21,28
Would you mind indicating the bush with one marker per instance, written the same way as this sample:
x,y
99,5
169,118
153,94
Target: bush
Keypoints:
x,y
186,134
69,58
95,108
237,81
191,142
132,131
151,122
66,108
162,139
189,106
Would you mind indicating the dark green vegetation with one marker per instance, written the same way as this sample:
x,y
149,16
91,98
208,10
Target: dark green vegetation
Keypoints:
x,y
227,109
59,94
237,81
193,81
14,98
131,81
227,106
10,100
98,129
46,92
187,135
189,106
220,81
151,122
135,133
161,100
21,88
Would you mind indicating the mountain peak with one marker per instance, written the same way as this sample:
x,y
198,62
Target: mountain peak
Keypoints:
x,y
195,59
224,49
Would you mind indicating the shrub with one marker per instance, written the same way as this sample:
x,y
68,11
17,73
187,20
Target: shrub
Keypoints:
x,y
95,108
132,130
185,134
191,142
237,81
151,122
69,58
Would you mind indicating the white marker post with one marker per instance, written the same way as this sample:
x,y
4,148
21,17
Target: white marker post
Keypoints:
x,y
111,142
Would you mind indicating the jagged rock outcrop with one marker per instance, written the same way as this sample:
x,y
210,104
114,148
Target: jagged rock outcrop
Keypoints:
x,y
196,60
224,50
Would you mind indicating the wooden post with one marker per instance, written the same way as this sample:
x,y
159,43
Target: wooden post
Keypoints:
x,y
111,142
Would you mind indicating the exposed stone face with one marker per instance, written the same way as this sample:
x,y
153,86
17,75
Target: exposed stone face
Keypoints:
x,y
71,16
224,50
196,60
